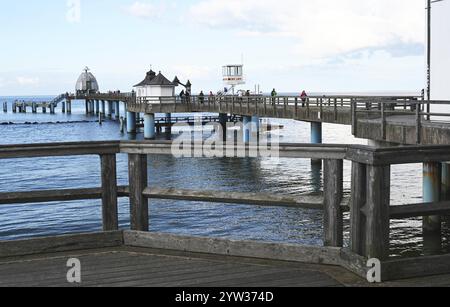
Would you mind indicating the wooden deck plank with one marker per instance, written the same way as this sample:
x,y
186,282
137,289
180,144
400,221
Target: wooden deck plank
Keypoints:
x,y
132,269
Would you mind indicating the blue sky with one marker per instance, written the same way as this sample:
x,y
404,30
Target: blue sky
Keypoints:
x,y
318,45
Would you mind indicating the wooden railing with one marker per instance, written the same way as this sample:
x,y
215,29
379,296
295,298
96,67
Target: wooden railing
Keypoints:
x,y
370,207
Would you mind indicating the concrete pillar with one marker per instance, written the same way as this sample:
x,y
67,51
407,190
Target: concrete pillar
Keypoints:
x,y
223,119
63,106
316,133
169,127
109,114
103,107
117,110
97,107
131,122
445,186
316,165
432,180
255,129
149,126
246,126
69,107
87,106
138,117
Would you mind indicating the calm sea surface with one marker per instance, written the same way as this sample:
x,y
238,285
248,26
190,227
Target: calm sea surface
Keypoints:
x,y
278,176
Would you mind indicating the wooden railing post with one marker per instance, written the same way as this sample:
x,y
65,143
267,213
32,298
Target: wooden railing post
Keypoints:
x,y
377,212
383,121
354,110
109,192
137,168
418,124
333,195
358,201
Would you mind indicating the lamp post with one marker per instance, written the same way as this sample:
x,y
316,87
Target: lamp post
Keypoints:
x,y
429,3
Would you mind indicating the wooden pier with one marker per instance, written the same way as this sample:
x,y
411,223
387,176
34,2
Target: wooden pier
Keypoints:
x,y
138,257
397,119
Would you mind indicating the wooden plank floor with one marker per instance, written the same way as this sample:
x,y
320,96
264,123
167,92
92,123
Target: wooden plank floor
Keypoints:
x,y
142,267
124,266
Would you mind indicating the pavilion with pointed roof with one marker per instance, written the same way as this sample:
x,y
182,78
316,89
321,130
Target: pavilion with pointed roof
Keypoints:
x,y
156,85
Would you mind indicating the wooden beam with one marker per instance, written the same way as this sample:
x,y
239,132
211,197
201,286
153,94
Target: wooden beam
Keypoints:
x,y
333,194
418,210
55,195
397,269
60,244
109,193
58,149
251,249
137,168
259,199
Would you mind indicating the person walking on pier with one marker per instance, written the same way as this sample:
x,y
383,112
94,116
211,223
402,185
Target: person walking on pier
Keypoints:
x,y
303,97
182,96
201,97
188,96
274,94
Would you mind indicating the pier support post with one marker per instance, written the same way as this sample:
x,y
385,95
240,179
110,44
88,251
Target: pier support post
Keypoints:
x,y
63,107
69,106
333,194
149,126
5,107
169,126
138,181
110,106
316,165
34,108
97,107
117,110
131,122
138,117
86,105
103,106
223,119
246,126
255,129
316,133
432,180
109,193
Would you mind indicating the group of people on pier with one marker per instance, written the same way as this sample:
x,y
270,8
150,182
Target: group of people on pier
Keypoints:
x,y
185,95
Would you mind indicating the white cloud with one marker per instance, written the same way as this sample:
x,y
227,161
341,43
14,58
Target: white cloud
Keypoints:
x,y
320,28
194,72
27,81
146,10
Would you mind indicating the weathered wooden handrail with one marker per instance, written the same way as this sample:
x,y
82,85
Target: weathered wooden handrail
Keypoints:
x,y
58,149
370,208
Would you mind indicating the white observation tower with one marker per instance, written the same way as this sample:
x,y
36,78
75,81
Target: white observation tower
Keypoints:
x,y
233,75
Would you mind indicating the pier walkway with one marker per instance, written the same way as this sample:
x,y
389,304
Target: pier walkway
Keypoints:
x,y
407,120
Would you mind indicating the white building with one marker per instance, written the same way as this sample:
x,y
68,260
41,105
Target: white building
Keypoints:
x,y
440,50
155,86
